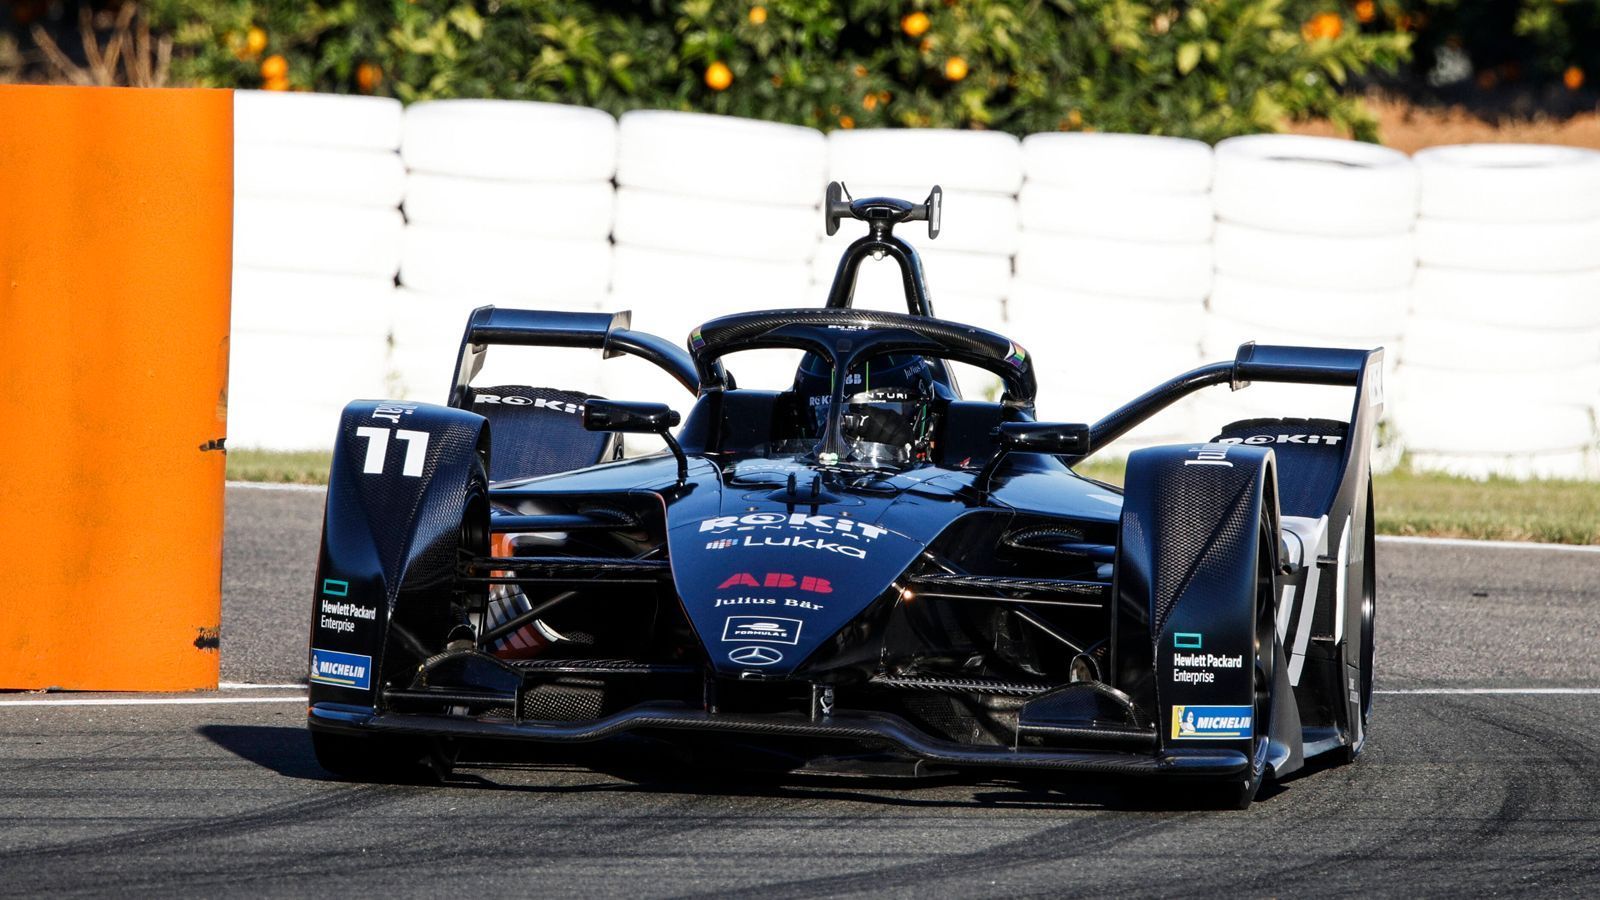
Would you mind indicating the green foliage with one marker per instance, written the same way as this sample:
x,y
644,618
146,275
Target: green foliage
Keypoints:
x,y
1205,68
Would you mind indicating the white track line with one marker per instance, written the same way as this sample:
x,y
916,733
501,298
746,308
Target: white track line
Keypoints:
x,y
247,686
154,701
1505,545
277,486
1507,691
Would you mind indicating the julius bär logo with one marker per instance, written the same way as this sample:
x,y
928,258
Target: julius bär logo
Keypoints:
x,y
809,583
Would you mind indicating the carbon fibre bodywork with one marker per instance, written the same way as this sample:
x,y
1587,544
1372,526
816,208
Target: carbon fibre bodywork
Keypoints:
x,y
971,607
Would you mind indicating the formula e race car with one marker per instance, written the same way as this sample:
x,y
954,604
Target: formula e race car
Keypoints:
x,y
862,570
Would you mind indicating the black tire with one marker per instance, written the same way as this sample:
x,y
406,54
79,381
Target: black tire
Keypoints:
x,y
1266,639
1367,648
386,759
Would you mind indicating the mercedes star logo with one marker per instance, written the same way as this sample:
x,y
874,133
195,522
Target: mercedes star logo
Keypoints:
x,y
755,656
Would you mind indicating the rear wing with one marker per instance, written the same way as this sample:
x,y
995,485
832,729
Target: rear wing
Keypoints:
x,y
607,332
1360,369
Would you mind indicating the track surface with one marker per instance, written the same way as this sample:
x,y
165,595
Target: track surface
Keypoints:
x,y
1457,794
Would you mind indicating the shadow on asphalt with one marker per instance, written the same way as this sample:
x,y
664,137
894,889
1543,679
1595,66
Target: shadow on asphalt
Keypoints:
x,y
647,766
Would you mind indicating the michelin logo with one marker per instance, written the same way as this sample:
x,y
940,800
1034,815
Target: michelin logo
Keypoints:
x,y
349,670
1211,722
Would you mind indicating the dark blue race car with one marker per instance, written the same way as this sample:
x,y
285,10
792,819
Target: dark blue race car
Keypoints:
x,y
865,570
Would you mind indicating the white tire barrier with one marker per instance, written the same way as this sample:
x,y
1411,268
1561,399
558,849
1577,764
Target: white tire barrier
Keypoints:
x,y
1507,183
1448,343
1458,425
726,228
1517,247
1418,386
1114,324
670,293
1511,299
986,161
316,120
276,302
1306,310
721,157
1116,268
335,175
316,237
510,139
1370,263
1311,185
531,270
569,210
1572,464
1112,212
1130,163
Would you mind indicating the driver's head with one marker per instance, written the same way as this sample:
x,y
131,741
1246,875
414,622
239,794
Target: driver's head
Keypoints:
x,y
885,416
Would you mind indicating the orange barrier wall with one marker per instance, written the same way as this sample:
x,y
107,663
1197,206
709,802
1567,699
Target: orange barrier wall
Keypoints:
x,y
115,248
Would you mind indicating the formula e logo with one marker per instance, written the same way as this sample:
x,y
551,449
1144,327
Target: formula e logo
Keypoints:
x,y
1209,455
343,669
755,656
830,525
1211,722
772,630
535,402
779,580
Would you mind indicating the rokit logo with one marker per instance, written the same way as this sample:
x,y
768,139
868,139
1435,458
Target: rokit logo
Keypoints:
x,y
535,402
1324,439
809,583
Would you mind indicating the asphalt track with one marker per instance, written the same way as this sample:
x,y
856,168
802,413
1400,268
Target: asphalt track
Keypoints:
x,y
1482,778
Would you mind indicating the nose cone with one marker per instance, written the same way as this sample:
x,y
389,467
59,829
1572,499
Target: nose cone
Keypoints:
x,y
765,590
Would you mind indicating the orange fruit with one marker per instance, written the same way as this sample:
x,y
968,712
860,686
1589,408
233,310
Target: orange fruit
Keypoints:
x,y
276,84
1366,11
914,24
869,102
718,76
758,15
255,41
955,68
1324,26
846,122
1572,78
274,67
369,76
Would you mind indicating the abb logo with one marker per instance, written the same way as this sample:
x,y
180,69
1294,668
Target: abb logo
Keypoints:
x,y
779,580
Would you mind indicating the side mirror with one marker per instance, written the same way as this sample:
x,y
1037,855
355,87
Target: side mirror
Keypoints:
x,y
628,416
1043,437
633,417
1033,437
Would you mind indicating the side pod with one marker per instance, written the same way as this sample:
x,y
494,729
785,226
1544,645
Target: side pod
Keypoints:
x,y
1193,637
406,493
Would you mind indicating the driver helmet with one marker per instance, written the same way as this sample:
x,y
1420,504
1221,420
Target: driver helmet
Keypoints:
x,y
885,419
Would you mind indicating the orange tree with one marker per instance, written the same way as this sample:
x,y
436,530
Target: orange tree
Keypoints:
x,y
1202,68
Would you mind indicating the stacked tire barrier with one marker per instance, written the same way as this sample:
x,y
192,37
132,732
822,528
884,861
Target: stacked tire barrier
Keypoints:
x,y
1116,260
1314,245
715,215
1113,271
1501,369
507,203
968,267
317,231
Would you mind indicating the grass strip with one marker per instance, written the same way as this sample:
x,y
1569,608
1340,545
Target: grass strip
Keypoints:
x,y
1409,503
